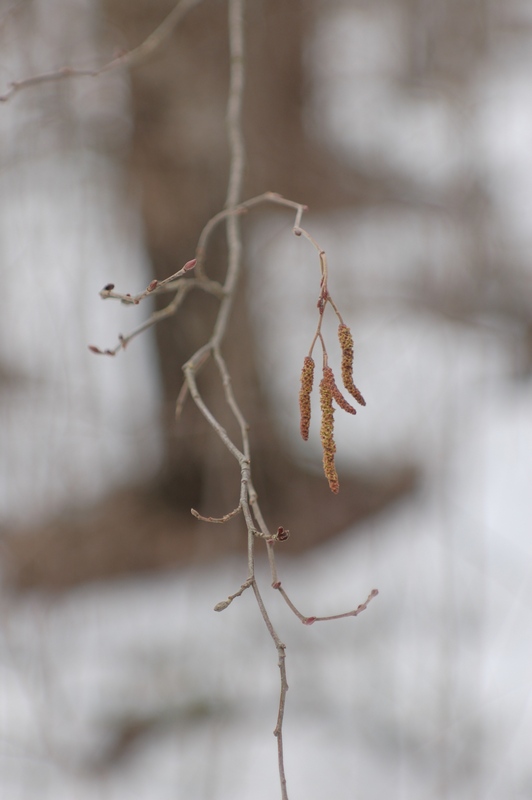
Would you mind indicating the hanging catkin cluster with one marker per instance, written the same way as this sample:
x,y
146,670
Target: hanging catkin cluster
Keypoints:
x,y
329,391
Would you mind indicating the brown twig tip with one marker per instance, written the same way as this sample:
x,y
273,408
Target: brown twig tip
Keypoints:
x,y
307,382
346,343
327,432
282,534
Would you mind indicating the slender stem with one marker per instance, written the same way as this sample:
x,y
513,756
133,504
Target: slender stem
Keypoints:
x,y
128,59
281,651
234,105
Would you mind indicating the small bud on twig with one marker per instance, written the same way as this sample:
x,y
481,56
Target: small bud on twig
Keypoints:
x,y
282,534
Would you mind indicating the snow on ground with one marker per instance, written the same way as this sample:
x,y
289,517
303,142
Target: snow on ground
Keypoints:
x,y
428,689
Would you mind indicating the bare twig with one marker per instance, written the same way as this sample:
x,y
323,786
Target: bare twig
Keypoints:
x,y
224,603
310,620
128,59
174,284
281,651
219,520
156,317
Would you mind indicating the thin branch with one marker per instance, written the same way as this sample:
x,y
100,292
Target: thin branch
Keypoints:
x,y
128,59
310,620
172,283
219,520
281,652
190,375
156,317
222,605
156,38
154,287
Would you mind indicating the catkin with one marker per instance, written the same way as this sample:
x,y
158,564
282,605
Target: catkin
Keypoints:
x,y
336,393
307,381
327,431
346,343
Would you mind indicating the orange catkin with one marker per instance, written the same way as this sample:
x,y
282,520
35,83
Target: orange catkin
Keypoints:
x,y
327,431
346,343
337,395
307,381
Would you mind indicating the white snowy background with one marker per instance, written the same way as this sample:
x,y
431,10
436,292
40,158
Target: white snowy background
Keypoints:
x,y
428,693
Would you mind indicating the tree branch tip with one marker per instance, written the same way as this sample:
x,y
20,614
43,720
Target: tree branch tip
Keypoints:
x,y
297,231
309,620
94,349
281,535
222,605
219,520
276,585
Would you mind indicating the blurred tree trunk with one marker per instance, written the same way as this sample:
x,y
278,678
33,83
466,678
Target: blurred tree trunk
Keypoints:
x,y
179,159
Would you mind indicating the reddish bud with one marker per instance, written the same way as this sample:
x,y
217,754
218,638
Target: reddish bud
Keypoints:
x,y
309,621
95,349
153,285
109,287
189,265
